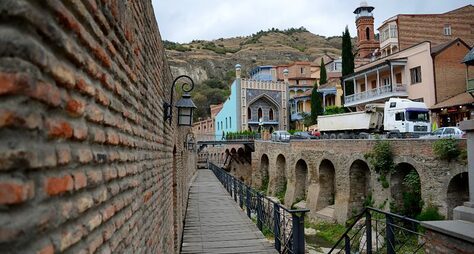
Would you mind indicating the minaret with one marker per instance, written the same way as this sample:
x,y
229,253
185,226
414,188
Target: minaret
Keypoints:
x,y
366,43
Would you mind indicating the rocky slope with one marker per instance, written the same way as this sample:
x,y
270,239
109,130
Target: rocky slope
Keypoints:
x,y
204,60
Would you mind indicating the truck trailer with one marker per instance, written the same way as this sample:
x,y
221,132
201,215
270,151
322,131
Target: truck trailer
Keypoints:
x,y
398,118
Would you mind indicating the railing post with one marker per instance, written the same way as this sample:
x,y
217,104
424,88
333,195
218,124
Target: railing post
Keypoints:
x,y
347,244
235,190
247,202
368,230
276,226
259,211
298,232
241,202
389,234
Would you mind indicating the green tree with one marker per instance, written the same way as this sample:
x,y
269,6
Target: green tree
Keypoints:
x,y
316,104
323,77
347,60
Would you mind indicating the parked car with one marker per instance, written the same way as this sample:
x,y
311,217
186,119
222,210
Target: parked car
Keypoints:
x,y
445,132
302,135
282,136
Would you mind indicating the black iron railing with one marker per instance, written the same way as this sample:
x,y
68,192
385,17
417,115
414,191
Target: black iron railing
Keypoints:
x,y
272,218
376,231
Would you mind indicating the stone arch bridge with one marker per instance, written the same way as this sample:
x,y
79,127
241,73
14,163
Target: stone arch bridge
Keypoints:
x,y
335,179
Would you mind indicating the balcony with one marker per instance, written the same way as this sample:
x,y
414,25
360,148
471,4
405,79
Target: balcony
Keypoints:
x,y
376,94
470,85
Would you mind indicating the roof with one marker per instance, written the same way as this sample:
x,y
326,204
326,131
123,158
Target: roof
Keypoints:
x,y
469,58
457,100
441,47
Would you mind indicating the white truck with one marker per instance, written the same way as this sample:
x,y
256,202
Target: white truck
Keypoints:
x,y
396,118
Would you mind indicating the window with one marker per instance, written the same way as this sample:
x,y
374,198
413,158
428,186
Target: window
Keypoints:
x,y
400,116
270,114
415,74
260,113
449,131
367,33
447,30
249,113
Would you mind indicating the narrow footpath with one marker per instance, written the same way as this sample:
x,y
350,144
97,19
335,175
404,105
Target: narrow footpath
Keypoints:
x,y
216,224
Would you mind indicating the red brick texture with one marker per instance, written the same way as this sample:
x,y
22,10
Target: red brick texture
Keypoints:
x,y
86,160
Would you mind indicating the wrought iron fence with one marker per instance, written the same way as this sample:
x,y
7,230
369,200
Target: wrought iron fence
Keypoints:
x,y
285,225
376,231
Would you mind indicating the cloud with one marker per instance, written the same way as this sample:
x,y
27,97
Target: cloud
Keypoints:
x,y
186,20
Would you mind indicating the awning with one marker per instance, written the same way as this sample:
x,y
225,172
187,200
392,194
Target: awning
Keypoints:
x,y
458,100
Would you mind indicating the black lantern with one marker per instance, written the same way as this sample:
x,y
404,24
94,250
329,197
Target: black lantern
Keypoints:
x,y
185,105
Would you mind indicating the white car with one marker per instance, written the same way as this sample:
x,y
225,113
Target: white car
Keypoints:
x,y
446,132
282,136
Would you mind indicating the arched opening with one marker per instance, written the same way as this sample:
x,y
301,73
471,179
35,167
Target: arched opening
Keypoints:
x,y
327,190
405,189
367,33
260,113
280,187
270,114
458,192
359,187
264,163
249,113
301,171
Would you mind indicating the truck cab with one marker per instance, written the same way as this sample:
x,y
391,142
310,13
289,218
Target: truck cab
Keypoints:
x,y
407,118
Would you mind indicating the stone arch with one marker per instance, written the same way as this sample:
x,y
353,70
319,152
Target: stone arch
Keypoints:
x,y
458,192
264,165
405,194
359,185
327,183
281,182
301,177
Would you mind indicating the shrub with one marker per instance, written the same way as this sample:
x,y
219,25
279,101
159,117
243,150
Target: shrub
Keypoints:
x,y
430,213
446,149
381,158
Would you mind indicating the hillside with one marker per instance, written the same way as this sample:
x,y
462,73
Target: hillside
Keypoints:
x,y
211,63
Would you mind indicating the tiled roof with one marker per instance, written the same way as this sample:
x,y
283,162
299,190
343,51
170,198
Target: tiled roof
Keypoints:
x,y
457,100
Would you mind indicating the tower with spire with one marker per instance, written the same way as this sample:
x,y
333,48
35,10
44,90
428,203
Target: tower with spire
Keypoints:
x,y
366,43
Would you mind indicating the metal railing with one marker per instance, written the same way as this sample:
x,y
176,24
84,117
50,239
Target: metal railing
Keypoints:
x,y
375,92
272,218
376,231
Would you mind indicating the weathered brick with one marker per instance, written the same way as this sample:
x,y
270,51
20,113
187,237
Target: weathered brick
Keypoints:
x,y
80,180
75,107
15,191
83,155
58,185
84,202
59,128
63,154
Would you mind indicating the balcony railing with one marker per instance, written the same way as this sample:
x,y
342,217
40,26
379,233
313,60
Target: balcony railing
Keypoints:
x,y
470,85
375,93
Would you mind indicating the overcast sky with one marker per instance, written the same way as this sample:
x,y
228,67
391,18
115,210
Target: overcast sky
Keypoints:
x,y
186,20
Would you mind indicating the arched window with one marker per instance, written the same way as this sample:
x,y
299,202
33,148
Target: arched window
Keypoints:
x,y
270,114
260,113
367,33
249,113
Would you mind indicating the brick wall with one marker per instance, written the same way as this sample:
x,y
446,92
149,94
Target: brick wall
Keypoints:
x,y
86,162
413,29
450,73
